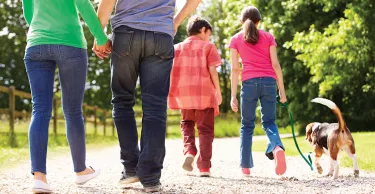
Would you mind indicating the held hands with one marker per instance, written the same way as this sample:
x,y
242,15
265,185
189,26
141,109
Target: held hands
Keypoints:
x,y
234,104
102,51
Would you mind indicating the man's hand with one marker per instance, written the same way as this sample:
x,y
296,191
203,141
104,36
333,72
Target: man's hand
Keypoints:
x,y
102,51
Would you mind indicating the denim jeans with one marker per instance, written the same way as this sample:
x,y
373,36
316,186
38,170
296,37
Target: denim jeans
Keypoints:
x,y
149,56
40,62
265,90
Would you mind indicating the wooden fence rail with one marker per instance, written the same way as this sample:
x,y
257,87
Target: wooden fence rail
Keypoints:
x,y
11,111
105,114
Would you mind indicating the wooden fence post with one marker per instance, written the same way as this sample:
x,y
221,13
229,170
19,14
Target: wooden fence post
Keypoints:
x,y
12,108
95,120
84,116
55,116
105,122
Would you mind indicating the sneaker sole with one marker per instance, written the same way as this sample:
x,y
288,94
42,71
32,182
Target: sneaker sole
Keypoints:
x,y
280,162
152,189
39,190
188,164
204,174
129,181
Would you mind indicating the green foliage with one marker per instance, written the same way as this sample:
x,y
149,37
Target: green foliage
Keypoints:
x,y
325,48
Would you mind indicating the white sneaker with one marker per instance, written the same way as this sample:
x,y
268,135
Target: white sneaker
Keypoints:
x,y
188,162
41,187
82,179
153,189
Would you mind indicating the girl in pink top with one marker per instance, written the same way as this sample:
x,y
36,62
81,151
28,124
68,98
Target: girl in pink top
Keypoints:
x,y
261,74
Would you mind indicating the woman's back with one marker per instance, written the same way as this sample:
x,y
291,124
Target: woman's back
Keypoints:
x,y
57,22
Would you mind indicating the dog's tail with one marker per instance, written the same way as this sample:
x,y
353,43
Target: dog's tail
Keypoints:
x,y
334,109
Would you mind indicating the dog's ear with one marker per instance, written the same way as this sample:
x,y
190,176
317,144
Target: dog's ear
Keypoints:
x,y
309,132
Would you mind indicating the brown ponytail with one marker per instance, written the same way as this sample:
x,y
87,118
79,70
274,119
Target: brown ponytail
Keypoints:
x,y
250,16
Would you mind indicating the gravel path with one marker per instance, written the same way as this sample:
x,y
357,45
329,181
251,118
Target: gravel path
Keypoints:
x,y
226,177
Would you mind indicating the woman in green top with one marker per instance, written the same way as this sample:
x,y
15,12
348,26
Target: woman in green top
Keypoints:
x,y
55,39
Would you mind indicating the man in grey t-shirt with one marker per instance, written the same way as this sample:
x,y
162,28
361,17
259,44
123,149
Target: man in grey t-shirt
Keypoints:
x,y
143,32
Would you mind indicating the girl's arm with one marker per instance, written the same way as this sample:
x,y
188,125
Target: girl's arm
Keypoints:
x,y
235,72
215,80
87,12
28,10
279,73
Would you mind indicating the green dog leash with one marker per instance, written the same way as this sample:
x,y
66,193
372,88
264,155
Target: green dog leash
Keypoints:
x,y
285,105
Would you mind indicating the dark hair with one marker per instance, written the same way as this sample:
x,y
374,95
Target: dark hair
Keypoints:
x,y
195,24
250,16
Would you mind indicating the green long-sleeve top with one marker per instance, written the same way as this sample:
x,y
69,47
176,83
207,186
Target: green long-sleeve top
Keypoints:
x,y
58,22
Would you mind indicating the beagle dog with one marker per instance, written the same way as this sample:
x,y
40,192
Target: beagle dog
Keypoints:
x,y
330,138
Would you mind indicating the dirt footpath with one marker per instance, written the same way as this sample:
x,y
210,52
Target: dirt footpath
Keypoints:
x,y
226,176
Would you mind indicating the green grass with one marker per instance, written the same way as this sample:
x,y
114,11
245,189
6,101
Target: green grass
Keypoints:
x,y
364,142
15,149
225,126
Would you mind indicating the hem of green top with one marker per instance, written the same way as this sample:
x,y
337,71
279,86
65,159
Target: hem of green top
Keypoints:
x,y
56,43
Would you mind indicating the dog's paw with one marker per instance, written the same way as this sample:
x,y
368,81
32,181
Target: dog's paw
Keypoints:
x,y
334,177
320,169
356,173
329,174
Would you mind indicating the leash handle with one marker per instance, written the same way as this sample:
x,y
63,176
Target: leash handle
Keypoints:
x,y
285,105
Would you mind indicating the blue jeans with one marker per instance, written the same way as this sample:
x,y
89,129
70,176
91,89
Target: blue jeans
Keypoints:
x,y
265,90
41,62
149,56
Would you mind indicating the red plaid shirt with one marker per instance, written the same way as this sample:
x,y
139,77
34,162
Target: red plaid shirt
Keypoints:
x,y
191,86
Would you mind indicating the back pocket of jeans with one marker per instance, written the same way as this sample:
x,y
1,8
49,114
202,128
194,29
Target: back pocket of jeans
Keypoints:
x,y
33,52
164,46
122,41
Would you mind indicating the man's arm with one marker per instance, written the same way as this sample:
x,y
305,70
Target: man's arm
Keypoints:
x,y
188,8
104,11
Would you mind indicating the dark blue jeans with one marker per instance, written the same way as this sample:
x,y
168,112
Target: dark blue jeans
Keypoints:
x,y
149,56
265,90
41,62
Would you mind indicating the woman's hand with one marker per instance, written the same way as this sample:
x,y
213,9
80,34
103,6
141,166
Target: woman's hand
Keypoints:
x,y
234,104
102,51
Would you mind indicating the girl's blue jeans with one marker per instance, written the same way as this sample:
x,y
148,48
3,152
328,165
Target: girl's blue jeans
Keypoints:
x,y
41,62
265,90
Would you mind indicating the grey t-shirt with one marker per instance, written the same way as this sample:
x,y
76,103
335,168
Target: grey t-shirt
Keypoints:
x,y
149,15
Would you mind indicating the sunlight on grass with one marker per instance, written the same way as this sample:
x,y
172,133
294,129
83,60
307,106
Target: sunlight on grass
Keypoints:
x,y
363,142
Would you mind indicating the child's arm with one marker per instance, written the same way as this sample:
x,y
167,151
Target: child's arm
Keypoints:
x,y
28,10
279,73
235,72
87,12
215,80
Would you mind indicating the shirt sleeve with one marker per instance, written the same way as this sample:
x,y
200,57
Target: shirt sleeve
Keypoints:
x,y
28,10
233,43
213,57
87,11
272,40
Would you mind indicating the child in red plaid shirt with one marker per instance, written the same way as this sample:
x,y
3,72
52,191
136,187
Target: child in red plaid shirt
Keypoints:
x,y
195,90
